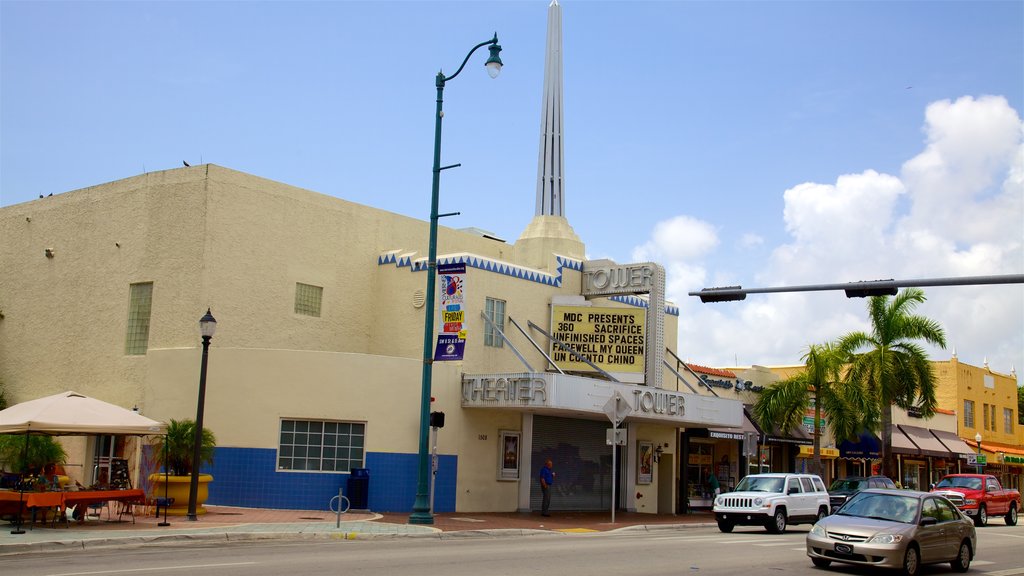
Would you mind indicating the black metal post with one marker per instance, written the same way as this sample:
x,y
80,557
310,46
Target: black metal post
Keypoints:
x,y
193,490
21,489
167,474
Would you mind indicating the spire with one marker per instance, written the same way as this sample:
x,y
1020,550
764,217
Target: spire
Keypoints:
x,y
550,166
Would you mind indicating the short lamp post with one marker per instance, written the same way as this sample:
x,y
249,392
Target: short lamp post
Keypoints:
x,y
421,512
977,440
207,326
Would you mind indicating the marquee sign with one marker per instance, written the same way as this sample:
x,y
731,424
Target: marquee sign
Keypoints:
x,y
611,338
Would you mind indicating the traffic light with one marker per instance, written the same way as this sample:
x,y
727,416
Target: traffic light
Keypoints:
x,y
722,294
437,419
877,288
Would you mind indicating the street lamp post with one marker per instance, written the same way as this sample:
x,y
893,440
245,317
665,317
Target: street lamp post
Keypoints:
x,y
421,513
977,440
207,326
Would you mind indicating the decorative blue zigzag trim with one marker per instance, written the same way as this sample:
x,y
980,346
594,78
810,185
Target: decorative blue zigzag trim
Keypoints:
x,y
498,267
486,264
641,303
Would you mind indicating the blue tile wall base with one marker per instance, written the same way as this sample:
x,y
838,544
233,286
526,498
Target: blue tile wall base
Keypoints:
x,y
248,478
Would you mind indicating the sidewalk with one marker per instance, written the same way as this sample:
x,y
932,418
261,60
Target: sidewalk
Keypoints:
x,y
237,524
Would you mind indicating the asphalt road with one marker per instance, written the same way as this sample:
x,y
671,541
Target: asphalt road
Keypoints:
x,y
692,551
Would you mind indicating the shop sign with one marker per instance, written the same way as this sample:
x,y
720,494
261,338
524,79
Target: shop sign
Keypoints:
x,y
1011,459
451,339
808,452
611,338
726,435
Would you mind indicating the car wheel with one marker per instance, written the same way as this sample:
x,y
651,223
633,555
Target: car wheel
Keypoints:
x,y
777,525
725,526
911,562
821,515
963,558
1011,516
821,562
982,518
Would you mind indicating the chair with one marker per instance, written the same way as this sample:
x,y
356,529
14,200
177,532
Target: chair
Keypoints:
x,y
162,502
125,509
96,510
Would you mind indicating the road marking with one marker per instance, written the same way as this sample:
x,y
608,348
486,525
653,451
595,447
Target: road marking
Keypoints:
x,y
1010,572
777,544
746,541
129,570
981,562
1006,535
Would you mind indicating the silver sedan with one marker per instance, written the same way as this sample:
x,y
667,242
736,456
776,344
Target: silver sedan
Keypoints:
x,y
894,529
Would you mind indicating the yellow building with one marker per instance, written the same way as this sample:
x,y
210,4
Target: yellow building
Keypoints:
x,y
985,402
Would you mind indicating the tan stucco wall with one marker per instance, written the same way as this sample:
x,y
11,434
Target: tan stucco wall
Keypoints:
x,y
211,237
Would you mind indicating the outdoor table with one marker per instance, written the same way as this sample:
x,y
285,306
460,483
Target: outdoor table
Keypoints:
x,y
44,500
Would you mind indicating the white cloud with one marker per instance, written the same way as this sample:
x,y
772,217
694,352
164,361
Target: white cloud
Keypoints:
x,y
956,209
750,240
681,238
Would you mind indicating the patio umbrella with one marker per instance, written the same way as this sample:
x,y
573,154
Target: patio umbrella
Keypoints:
x,y
73,414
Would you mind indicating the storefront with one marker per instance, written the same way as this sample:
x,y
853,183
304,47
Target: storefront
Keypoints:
x,y
567,418
856,457
805,462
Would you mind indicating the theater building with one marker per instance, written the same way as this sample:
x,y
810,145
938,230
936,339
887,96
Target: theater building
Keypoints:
x,y
315,368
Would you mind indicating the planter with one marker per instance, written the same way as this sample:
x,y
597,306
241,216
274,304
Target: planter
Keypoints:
x,y
178,488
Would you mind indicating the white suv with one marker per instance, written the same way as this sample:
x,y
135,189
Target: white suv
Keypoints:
x,y
773,501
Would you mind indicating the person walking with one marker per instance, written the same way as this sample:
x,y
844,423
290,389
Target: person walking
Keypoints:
x,y
547,478
713,484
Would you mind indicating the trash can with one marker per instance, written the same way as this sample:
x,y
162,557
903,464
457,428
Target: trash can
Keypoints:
x,y
359,488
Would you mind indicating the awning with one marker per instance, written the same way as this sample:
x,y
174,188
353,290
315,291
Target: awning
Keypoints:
x,y
734,433
901,444
866,446
797,435
952,442
929,445
808,452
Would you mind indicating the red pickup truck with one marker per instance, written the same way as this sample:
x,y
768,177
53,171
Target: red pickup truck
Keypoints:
x,y
980,496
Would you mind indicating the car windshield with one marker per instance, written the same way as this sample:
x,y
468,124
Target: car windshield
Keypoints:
x,y
960,482
847,484
891,507
761,484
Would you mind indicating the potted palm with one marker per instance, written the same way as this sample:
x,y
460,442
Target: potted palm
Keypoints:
x,y
33,456
173,453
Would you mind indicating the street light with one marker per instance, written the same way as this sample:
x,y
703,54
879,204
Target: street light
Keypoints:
x,y
977,440
207,326
421,513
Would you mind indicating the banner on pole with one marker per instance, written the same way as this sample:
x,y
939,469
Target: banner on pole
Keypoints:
x,y
451,338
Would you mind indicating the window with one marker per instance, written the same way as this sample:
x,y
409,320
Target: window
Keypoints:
x,y
140,306
307,299
807,484
1008,420
495,310
993,418
793,486
321,446
969,413
984,410
819,486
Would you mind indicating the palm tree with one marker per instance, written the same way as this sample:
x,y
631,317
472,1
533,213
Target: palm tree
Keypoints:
x,y
785,403
894,370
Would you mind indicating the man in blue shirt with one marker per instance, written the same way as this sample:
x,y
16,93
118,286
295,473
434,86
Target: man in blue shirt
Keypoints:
x,y
547,478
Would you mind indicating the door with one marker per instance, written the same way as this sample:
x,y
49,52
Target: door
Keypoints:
x,y
666,483
932,539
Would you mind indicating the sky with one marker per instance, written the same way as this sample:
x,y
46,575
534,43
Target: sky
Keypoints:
x,y
760,144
